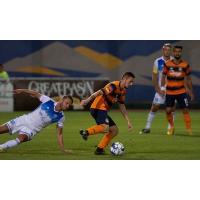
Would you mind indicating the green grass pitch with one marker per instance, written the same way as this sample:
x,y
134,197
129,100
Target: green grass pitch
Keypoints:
x,y
156,145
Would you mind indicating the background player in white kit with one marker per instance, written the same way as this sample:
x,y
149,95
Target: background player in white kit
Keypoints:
x,y
27,126
159,99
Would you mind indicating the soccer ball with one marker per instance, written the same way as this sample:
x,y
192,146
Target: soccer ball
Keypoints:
x,y
117,148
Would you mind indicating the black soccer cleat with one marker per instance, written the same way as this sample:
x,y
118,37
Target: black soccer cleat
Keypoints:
x,y
99,151
84,134
145,131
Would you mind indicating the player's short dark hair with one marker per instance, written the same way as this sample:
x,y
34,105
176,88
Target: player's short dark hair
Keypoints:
x,y
68,97
178,47
1,65
128,74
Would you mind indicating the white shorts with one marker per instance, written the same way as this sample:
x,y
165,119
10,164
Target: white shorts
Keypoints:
x,y
19,126
158,99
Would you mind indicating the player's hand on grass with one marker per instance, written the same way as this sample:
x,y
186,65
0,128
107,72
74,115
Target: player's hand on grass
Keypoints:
x,y
68,151
130,126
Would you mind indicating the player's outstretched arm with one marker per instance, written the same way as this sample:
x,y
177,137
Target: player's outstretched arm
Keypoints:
x,y
32,93
60,140
93,96
123,110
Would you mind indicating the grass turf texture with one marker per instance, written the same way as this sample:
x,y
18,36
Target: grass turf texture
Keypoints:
x,y
156,145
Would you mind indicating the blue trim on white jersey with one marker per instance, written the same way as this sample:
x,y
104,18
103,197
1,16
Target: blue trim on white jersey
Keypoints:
x,y
48,107
161,63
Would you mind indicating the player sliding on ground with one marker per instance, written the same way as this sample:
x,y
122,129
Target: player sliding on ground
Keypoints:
x,y
113,92
27,126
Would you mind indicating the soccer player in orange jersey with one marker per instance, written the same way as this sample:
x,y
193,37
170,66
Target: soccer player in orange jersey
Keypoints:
x,y
113,92
176,78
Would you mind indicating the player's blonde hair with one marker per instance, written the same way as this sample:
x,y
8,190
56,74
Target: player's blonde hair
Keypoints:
x,y
167,45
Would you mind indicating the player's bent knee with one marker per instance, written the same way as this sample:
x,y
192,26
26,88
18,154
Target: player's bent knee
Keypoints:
x,y
105,127
168,110
155,108
185,111
23,138
114,130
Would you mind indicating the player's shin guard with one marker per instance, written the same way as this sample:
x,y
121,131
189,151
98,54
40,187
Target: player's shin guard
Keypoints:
x,y
10,144
96,129
105,140
187,120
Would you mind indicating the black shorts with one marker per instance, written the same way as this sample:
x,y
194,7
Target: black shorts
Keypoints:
x,y
182,100
101,117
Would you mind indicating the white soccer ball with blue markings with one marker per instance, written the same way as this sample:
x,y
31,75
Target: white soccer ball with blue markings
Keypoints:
x,y
117,148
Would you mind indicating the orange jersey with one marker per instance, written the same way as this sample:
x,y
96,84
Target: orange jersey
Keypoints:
x,y
112,93
175,74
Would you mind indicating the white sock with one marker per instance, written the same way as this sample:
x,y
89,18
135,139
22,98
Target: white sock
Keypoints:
x,y
150,119
10,144
173,113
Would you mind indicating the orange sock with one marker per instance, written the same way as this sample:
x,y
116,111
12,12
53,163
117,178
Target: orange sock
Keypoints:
x,y
96,129
170,119
105,140
187,120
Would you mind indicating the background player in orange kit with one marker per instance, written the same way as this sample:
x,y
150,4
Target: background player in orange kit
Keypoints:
x,y
176,77
112,93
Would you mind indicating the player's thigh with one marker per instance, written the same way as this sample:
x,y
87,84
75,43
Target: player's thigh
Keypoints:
x,y
26,133
93,113
183,101
112,126
113,130
170,101
157,101
101,117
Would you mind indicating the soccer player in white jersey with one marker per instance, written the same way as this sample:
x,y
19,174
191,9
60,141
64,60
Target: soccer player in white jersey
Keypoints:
x,y
27,126
159,99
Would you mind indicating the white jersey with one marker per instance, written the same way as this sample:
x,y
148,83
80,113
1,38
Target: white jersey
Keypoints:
x,y
44,115
41,117
158,68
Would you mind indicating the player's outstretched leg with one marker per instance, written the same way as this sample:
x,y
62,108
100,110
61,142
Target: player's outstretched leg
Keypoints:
x,y
113,131
96,129
13,143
